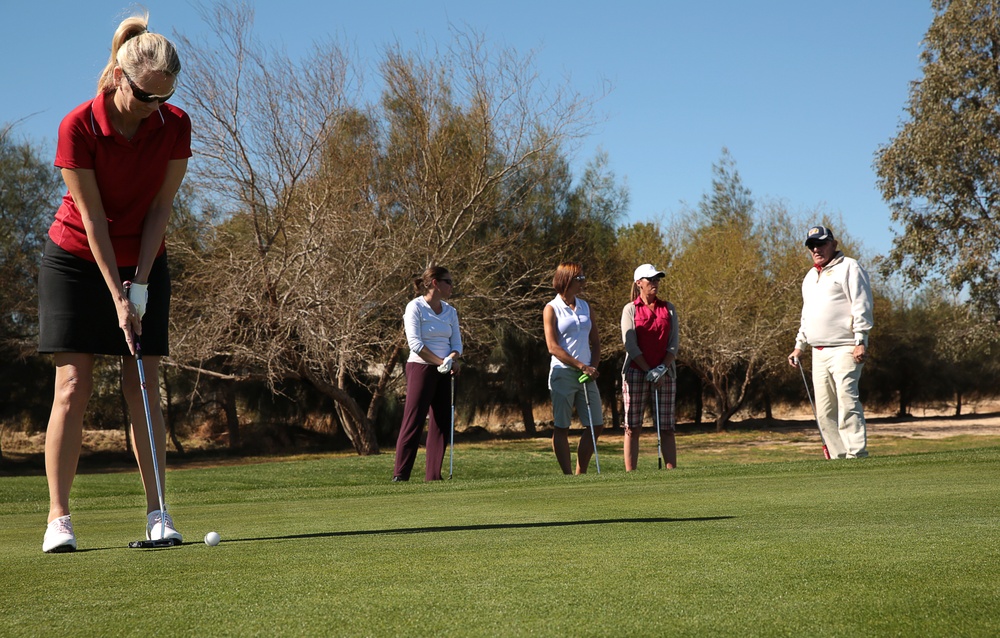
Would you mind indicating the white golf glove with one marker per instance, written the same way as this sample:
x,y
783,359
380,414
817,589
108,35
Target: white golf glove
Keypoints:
x,y
655,374
138,294
445,366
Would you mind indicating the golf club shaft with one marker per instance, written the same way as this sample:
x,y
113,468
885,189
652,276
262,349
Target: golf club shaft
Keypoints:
x,y
590,418
656,413
149,428
451,446
826,451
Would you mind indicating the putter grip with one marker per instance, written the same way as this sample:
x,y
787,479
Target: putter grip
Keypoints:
x,y
584,378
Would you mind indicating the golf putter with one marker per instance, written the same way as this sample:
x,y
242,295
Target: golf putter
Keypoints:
x,y
656,414
584,378
156,542
826,452
451,446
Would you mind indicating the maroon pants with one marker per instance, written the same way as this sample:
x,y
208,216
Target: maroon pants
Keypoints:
x,y
426,390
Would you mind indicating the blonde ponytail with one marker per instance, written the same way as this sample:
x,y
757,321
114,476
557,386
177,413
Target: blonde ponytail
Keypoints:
x,y
136,50
635,291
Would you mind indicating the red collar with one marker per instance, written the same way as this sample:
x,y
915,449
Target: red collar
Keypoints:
x,y
99,108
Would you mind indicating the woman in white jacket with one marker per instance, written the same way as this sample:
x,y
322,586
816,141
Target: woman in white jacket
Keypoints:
x,y
432,332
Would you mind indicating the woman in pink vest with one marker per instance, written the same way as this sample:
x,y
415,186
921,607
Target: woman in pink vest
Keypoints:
x,y
649,330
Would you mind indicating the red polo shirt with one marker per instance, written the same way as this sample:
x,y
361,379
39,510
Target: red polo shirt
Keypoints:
x,y
652,331
129,173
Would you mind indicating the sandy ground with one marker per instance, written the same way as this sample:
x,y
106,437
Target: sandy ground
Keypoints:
x,y
983,419
980,418
937,428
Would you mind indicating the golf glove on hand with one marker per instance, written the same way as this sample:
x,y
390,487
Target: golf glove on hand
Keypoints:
x,y
445,366
655,374
138,294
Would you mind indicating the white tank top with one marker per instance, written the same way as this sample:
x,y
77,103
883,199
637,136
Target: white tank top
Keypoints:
x,y
573,326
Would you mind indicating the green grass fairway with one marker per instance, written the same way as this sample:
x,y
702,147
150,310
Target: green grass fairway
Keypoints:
x,y
903,545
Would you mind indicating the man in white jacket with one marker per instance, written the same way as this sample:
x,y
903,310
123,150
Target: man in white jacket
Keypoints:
x,y
836,319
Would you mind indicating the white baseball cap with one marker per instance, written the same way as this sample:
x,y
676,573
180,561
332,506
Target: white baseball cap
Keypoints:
x,y
646,271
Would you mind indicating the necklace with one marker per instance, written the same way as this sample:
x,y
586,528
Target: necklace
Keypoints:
x,y
123,133
120,129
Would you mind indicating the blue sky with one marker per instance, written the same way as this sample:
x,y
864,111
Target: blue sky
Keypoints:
x,y
801,93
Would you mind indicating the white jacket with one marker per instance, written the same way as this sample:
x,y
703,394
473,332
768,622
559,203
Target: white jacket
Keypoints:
x,y
836,305
427,329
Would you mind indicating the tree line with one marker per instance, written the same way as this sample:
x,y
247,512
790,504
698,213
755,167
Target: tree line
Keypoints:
x,y
308,209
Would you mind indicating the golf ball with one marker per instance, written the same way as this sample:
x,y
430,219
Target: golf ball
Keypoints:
x,y
212,539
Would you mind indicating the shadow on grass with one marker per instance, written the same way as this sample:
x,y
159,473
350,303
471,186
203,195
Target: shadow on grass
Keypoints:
x,y
433,530
468,528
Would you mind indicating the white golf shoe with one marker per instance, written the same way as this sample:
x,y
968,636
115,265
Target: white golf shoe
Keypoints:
x,y
154,521
59,536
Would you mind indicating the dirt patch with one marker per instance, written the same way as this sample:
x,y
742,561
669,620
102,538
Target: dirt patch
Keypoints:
x,y
981,418
934,428
790,426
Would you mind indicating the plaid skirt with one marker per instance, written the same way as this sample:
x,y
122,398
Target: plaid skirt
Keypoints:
x,y
77,314
637,392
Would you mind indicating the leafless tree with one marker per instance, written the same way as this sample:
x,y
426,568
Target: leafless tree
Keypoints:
x,y
332,205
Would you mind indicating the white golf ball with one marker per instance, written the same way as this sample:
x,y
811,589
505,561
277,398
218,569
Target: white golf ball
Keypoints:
x,y
212,539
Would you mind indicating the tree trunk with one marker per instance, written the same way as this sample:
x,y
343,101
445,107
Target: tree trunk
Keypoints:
x,y
768,408
356,425
232,417
699,403
383,382
727,407
721,395
168,413
722,420
616,392
526,406
528,416
175,440
125,415
958,404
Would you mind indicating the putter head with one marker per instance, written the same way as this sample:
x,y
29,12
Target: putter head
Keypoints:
x,y
154,543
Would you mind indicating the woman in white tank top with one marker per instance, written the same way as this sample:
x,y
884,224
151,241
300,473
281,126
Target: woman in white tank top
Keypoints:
x,y
575,346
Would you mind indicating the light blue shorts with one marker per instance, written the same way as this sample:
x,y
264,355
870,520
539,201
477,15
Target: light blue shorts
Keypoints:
x,y
567,391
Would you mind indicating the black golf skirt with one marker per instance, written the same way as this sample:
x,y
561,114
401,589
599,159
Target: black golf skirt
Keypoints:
x,y
77,314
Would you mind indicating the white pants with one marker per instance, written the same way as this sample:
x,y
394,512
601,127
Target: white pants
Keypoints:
x,y
838,404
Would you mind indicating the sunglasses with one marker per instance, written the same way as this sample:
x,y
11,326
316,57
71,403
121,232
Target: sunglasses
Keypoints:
x,y
143,96
580,278
446,281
